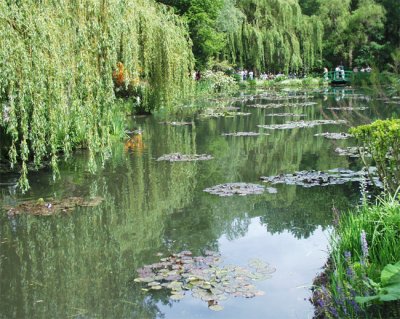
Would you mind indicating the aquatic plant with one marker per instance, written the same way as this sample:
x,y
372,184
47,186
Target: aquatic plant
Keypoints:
x,y
204,277
241,189
243,134
178,157
320,178
61,62
334,136
301,124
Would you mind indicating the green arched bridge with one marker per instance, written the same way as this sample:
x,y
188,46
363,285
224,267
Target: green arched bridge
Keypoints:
x,y
340,77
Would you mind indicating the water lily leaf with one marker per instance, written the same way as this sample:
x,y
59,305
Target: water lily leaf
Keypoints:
x,y
154,283
148,279
216,307
177,296
158,287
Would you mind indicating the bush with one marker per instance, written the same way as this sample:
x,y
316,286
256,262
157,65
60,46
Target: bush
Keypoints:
x,y
382,140
219,81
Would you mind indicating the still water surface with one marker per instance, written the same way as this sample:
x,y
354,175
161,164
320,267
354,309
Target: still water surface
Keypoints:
x,y
82,265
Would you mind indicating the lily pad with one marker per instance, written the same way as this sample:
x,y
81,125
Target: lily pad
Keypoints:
x,y
206,279
49,207
266,106
243,134
301,124
319,178
231,189
216,113
335,136
177,123
178,157
177,296
285,114
216,307
360,108
351,151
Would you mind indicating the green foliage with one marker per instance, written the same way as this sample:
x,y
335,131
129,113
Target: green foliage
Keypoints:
x,y
382,140
352,34
203,19
389,287
275,36
56,71
363,244
395,65
219,81
257,34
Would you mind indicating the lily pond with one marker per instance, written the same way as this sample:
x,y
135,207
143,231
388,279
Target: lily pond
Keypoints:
x,y
222,212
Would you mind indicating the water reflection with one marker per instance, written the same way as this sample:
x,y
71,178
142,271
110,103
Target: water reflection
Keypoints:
x,y
81,265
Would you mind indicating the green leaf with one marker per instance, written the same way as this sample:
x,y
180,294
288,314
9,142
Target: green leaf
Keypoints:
x,y
363,300
391,275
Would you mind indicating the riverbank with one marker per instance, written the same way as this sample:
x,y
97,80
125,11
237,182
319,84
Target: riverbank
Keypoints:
x,y
363,243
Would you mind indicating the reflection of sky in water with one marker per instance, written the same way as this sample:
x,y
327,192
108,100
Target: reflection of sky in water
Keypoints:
x,y
286,293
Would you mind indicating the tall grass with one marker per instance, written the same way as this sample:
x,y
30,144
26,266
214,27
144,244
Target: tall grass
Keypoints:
x,y
362,244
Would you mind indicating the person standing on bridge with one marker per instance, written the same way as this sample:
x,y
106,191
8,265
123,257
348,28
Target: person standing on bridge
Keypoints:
x,y
326,73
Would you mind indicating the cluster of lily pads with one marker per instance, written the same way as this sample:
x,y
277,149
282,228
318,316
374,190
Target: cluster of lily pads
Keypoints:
x,y
49,207
203,277
335,136
210,113
243,134
348,108
286,114
266,106
177,123
301,104
300,124
178,157
319,178
242,189
352,151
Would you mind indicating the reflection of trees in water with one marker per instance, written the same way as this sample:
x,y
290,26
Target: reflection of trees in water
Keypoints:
x,y
81,264
308,209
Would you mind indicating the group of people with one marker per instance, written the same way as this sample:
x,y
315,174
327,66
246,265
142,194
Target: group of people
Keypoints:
x,y
246,75
339,71
249,75
366,69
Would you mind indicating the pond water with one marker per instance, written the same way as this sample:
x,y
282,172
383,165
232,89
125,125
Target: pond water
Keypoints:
x,y
82,264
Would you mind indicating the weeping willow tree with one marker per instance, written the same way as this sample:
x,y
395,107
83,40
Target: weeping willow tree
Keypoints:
x,y
60,62
275,35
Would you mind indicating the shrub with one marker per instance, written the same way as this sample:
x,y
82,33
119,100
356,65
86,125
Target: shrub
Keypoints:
x,y
382,140
219,81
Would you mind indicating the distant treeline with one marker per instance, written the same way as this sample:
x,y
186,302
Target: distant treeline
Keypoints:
x,y
282,35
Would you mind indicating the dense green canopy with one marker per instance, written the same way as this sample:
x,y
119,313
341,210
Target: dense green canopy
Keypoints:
x,y
259,34
275,35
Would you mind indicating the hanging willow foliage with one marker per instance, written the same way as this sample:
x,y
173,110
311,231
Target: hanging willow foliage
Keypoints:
x,y
275,35
57,61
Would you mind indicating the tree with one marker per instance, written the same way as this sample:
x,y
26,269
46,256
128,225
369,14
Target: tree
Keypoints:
x,y
352,35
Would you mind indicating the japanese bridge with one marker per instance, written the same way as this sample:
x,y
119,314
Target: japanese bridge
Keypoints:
x,y
338,77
